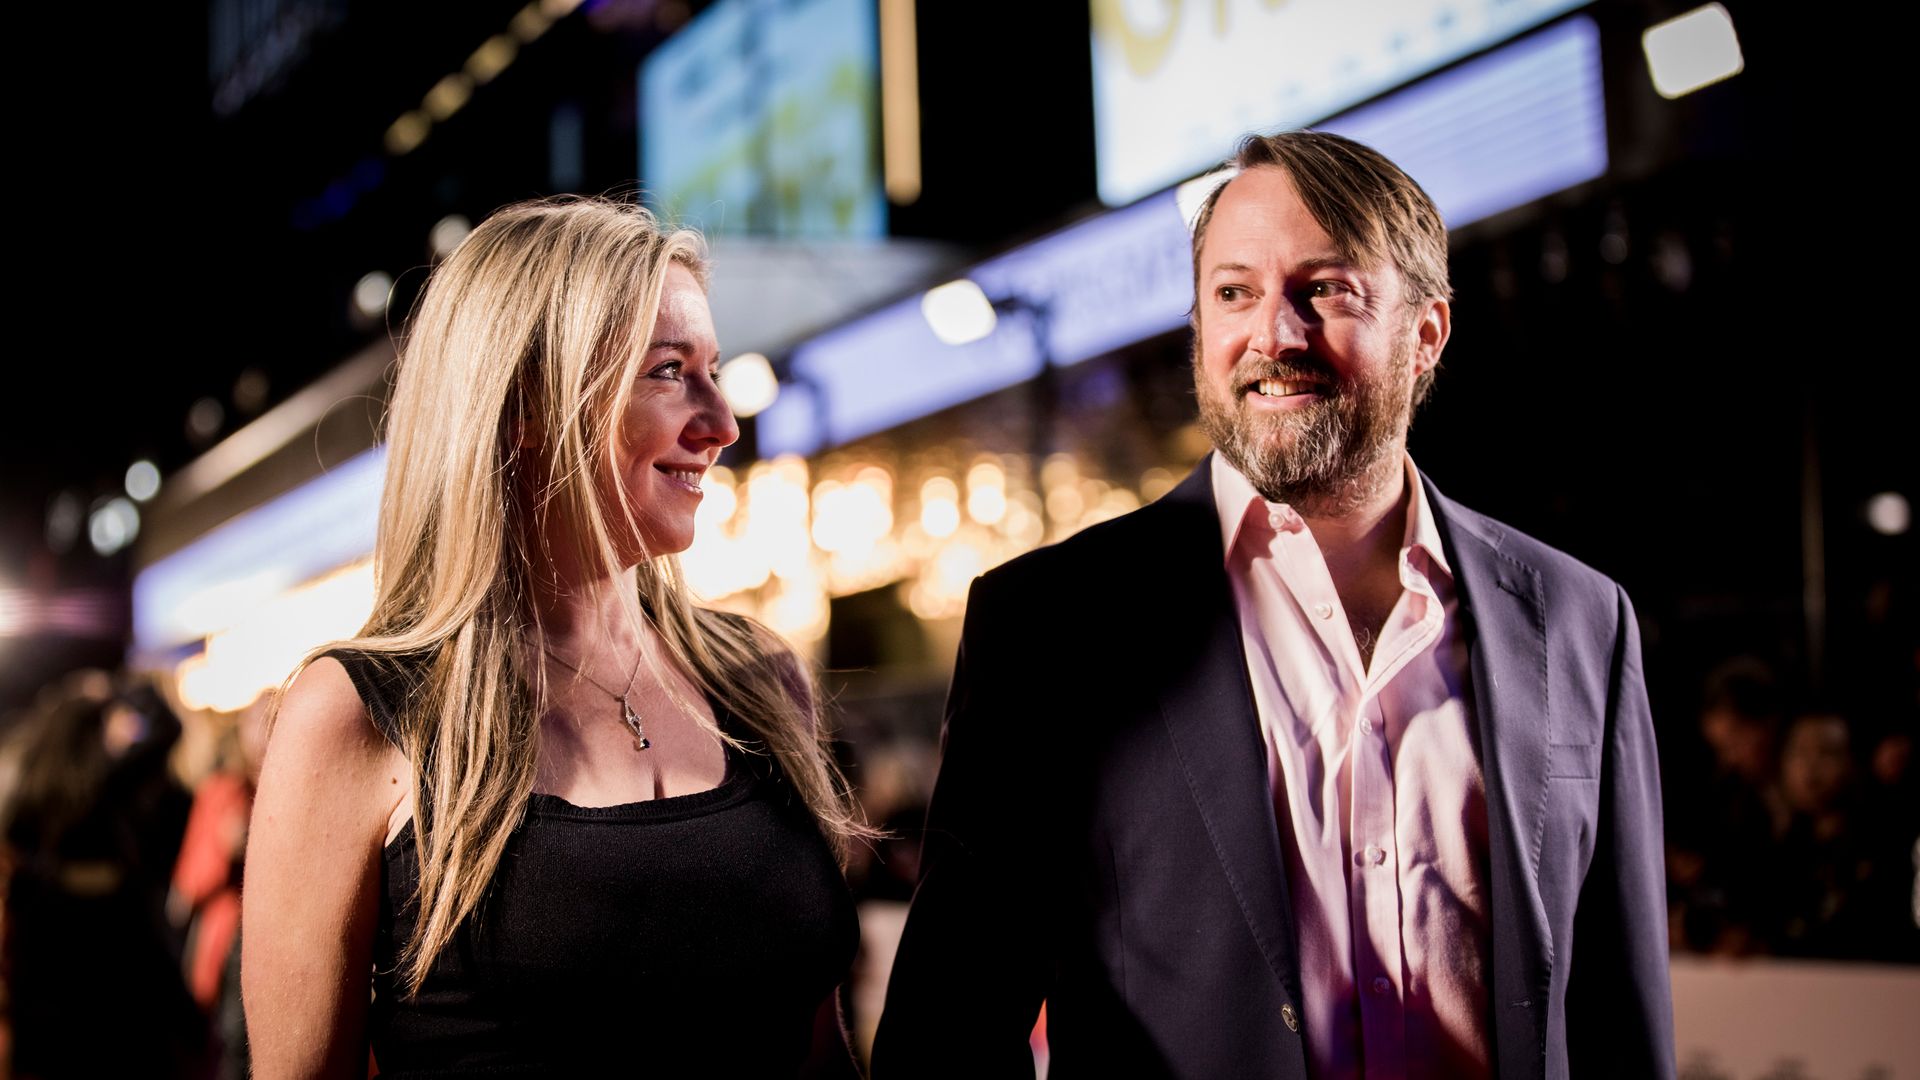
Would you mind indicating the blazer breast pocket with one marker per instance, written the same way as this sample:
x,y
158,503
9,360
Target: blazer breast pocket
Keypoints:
x,y
1573,762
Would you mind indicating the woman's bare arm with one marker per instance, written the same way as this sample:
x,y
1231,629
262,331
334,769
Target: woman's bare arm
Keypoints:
x,y
327,788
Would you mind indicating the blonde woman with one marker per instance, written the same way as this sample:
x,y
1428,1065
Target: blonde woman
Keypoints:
x,y
544,816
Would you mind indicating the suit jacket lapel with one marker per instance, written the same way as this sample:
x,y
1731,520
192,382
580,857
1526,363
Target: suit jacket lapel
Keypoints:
x,y
1206,702
1505,617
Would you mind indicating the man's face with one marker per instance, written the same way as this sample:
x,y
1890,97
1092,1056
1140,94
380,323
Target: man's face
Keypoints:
x,y
1304,364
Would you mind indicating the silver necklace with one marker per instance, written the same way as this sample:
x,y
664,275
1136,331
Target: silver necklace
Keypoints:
x,y
632,719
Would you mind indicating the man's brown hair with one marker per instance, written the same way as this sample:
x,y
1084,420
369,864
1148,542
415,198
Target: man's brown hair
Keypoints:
x,y
1371,210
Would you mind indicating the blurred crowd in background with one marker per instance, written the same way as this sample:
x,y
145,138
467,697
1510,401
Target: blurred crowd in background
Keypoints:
x,y
1793,830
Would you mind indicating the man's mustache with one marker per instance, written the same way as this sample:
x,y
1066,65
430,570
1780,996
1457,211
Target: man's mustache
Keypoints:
x,y
1304,367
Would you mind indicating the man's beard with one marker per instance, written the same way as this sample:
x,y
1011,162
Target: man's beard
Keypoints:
x,y
1325,459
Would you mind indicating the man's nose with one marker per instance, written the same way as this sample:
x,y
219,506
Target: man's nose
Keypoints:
x,y
1279,327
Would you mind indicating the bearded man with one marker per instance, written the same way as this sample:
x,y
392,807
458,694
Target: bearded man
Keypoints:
x,y
1304,770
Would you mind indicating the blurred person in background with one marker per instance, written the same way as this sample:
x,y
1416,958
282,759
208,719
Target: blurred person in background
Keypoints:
x,y
1893,813
569,822
204,901
1303,765
1837,880
1720,832
92,821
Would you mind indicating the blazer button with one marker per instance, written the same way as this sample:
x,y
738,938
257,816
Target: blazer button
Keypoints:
x,y
1292,1018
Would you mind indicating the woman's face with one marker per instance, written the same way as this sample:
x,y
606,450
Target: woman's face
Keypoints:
x,y
676,421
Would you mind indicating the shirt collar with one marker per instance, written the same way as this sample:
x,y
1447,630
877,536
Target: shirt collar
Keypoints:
x,y
1234,500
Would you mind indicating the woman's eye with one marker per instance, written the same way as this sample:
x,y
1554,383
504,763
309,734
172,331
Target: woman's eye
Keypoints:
x,y
669,370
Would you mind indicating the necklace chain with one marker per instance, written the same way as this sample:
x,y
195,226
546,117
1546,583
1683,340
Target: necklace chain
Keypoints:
x,y
627,715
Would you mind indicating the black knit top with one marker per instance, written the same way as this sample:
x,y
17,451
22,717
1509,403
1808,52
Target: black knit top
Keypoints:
x,y
693,935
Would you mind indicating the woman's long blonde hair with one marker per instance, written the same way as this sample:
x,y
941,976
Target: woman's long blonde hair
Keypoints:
x,y
537,322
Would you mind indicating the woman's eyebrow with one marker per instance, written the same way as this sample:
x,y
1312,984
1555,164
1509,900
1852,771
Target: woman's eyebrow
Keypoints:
x,y
699,351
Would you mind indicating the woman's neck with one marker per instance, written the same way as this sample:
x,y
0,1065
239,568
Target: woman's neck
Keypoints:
x,y
583,616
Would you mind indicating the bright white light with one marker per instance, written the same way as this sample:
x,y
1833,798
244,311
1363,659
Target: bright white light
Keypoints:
x,y
447,234
1889,513
958,312
941,590
1192,195
799,610
776,534
113,525
15,611
987,505
749,384
718,500
1692,51
143,480
987,493
940,518
850,517
939,506
370,294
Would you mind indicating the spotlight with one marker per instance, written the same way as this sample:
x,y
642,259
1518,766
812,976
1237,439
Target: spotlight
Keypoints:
x,y
1692,50
959,312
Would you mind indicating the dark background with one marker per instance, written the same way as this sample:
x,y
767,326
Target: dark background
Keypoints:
x,y
1670,436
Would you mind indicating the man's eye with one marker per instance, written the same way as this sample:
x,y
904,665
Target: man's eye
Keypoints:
x,y
1230,293
1323,290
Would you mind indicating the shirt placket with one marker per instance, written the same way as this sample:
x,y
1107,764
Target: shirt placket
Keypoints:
x,y
1374,892
1371,850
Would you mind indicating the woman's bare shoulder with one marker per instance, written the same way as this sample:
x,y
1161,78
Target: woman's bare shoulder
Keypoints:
x,y
324,738
323,705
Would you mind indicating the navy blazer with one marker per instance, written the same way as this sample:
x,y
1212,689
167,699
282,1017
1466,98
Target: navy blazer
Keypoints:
x,y
1102,834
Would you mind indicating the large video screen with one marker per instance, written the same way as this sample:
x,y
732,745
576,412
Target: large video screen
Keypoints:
x,y
1177,82
760,118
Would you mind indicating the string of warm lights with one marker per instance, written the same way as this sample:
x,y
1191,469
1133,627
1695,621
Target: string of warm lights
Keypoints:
x,y
451,92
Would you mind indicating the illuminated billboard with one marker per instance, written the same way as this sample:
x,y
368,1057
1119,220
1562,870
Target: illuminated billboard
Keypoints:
x,y
1177,83
1524,121
760,118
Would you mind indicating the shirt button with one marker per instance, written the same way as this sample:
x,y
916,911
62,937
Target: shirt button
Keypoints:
x,y
1325,611
1371,855
1366,726
1381,985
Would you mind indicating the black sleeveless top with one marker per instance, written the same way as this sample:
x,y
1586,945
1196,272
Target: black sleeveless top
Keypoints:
x,y
693,935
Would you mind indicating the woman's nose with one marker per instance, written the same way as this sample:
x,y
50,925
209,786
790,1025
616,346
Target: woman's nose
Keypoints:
x,y
713,423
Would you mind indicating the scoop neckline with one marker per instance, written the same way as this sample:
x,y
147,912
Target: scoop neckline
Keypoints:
x,y
736,781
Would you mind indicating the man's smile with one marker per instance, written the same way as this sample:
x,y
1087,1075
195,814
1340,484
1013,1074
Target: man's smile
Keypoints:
x,y
1284,393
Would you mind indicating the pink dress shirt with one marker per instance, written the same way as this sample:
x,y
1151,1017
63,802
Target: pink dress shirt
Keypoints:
x,y
1378,794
